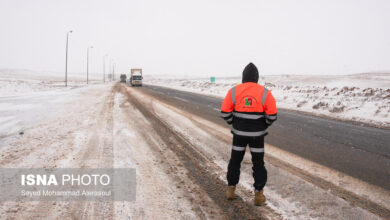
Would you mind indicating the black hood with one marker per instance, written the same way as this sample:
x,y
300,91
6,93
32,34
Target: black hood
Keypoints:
x,y
250,74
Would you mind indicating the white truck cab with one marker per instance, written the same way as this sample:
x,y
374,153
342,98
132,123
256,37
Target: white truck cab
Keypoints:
x,y
136,77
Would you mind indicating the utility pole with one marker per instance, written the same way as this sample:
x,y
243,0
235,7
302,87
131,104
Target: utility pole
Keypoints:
x,y
110,70
113,72
104,68
66,58
88,61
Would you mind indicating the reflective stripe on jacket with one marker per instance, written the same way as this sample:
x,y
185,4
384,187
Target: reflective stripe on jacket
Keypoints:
x,y
251,108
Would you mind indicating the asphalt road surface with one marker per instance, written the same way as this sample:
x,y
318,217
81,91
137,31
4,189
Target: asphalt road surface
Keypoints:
x,y
356,150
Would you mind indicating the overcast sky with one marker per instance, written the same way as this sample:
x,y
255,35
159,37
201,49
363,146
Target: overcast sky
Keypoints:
x,y
200,37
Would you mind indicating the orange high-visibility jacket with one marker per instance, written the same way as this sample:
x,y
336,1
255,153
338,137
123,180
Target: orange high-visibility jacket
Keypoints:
x,y
251,109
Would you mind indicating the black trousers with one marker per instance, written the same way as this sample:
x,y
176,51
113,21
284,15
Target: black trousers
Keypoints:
x,y
256,145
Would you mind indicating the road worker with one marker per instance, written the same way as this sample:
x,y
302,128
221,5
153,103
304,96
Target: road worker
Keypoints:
x,y
251,109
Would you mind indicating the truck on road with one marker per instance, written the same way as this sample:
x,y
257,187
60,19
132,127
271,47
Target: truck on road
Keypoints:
x,y
123,78
136,77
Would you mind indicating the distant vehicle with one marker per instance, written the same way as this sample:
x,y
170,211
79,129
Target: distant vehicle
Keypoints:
x,y
136,77
123,78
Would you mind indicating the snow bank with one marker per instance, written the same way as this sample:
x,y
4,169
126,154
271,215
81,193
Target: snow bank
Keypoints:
x,y
360,97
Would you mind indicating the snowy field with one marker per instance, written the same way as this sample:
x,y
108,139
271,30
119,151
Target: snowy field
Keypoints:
x,y
21,82
360,97
28,96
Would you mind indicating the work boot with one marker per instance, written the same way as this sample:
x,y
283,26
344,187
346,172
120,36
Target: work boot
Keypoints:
x,y
259,198
230,192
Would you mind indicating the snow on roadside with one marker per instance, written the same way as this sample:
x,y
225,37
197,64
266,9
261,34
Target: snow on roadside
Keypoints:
x,y
21,74
24,82
360,97
27,97
58,140
156,198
